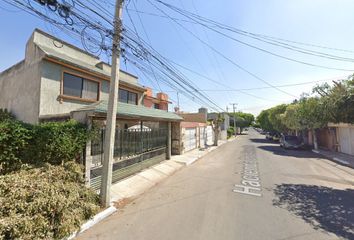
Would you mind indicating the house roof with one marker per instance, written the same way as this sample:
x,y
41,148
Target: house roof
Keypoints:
x,y
74,56
132,111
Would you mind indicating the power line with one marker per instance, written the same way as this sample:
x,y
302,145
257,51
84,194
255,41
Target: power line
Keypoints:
x,y
178,10
256,34
222,55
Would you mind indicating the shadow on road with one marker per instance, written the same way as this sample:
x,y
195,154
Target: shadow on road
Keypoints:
x,y
276,149
326,208
262,140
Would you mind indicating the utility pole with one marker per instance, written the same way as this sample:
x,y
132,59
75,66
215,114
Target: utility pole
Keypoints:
x,y
106,179
234,108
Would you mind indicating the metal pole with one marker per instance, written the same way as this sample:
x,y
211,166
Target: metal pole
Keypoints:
x,y
106,179
234,108
169,142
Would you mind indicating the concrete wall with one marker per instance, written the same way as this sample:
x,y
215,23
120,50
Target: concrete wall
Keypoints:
x,y
50,90
176,138
326,138
20,86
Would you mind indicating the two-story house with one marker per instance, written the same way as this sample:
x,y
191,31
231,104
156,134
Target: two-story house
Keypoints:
x,y
58,81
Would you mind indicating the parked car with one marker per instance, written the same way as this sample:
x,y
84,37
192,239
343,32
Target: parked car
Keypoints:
x,y
276,137
271,135
291,142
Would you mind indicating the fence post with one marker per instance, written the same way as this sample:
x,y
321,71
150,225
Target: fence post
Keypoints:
x,y
169,147
88,157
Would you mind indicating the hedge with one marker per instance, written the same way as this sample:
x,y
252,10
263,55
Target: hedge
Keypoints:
x,y
56,142
49,202
14,138
51,142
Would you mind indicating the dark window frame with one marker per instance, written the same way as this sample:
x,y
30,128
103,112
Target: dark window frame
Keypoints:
x,y
128,95
83,78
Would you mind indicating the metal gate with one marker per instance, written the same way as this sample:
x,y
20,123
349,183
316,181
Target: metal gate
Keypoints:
x,y
190,139
134,150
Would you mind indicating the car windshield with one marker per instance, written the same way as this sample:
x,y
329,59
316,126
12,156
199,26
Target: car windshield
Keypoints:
x,y
292,139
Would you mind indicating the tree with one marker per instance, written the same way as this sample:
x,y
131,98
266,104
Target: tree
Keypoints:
x,y
275,117
264,122
215,124
338,100
243,120
312,115
290,118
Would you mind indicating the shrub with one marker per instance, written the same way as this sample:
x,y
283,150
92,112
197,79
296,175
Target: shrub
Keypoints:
x,y
56,142
14,137
230,131
49,202
5,115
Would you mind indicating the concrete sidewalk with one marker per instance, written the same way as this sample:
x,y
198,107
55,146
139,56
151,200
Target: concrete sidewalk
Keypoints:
x,y
342,158
131,187
192,156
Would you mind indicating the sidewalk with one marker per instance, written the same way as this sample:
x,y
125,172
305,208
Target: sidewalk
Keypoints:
x,y
192,156
131,187
342,158
126,190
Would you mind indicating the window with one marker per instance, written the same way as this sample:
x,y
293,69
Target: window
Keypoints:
x,y
156,106
128,97
75,86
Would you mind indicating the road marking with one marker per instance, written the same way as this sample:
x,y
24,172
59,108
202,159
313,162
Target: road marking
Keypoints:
x,y
250,183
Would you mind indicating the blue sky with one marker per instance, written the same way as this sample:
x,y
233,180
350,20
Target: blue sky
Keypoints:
x,y
321,22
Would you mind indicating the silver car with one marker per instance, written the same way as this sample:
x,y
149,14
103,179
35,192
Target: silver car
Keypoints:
x,y
290,142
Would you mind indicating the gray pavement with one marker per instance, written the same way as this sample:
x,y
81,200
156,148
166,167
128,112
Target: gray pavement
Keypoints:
x,y
295,195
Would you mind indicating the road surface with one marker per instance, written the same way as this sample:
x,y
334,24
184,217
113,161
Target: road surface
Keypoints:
x,y
294,195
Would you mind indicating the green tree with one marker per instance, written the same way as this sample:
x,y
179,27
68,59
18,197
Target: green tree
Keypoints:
x,y
290,118
275,117
263,120
312,115
338,100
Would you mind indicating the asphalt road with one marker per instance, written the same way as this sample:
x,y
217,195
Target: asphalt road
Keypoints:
x,y
297,195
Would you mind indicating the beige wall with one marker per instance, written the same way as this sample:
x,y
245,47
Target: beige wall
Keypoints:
x,y
19,90
50,90
20,86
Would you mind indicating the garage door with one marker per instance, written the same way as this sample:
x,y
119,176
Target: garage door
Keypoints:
x,y
346,136
209,135
190,141
202,137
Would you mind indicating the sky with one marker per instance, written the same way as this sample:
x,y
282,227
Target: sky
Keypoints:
x,y
321,22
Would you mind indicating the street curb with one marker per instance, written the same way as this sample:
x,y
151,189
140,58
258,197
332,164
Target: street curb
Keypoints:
x,y
96,219
341,161
109,211
190,162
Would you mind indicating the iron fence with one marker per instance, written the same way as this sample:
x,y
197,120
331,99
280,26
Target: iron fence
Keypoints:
x,y
129,143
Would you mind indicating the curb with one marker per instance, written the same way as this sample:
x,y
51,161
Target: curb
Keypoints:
x,y
344,162
109,211
96,219
206,152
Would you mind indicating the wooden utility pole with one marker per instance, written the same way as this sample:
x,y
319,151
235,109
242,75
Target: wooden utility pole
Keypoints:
x,y
234,108
106,179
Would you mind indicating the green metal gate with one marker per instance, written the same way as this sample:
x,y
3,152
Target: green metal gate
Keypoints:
x,y
134,150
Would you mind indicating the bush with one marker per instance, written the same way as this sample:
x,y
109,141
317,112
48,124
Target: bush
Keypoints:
x,y
52,142
57,142
230,132
14,137
5,115
49,202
